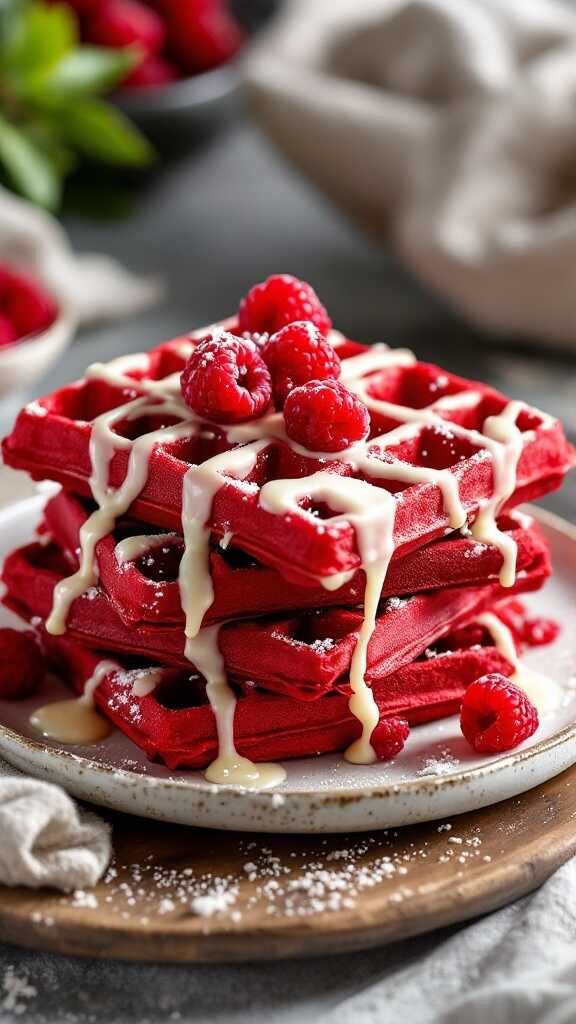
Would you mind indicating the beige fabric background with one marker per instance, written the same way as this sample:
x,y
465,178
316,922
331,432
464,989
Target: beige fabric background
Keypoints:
x,y
448,126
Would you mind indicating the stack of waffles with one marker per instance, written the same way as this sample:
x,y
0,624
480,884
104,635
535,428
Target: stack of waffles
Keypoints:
x,y
228,598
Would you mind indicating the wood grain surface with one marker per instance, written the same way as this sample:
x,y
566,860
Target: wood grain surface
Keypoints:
x,y
290,896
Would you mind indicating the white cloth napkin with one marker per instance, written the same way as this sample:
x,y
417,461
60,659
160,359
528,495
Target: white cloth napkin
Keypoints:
x,y
517,966
45,841
447,125
93,287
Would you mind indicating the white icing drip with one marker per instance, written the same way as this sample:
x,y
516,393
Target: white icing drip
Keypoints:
x,y
371,510
76,721
500,436
104,442
103,669
132,548
544,693
505,457
145,681
523,520
229,767
337,580
378,357
201,484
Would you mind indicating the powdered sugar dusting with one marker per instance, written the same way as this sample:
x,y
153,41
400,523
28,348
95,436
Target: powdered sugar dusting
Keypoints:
x,y
443,763
283,879
15,991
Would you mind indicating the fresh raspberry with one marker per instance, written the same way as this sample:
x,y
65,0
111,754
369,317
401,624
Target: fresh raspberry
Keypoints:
x,y
202,34
22,664
533,631
226,379
7,331
120,23
389,737
324,416
496,715
281,300
540,631
25,304
153,71
297,354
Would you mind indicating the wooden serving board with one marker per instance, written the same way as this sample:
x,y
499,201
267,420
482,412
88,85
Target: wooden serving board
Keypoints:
x,y
186,895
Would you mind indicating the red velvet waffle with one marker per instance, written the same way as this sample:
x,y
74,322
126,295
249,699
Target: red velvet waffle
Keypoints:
x,y
51,439
302,655
175,724
145,590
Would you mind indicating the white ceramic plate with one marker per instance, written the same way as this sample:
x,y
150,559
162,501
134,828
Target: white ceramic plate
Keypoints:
x,y
436,776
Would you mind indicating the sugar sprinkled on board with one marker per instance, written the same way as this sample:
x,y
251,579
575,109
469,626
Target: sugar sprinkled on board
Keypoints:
x,y
215,902
81,898
279,879
15,991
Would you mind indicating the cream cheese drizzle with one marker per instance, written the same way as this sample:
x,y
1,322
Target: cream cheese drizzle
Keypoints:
x,y
544,693
229,768
76,722
104,443
201,484
371,511
500,436
145,681
368,507
132,548
503,430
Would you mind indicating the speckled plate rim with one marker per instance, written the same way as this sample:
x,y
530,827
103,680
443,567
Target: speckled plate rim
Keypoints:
x,y
313,809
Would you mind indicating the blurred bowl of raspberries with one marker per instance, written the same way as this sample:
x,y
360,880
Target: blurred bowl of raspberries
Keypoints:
x,y
35,328
186,73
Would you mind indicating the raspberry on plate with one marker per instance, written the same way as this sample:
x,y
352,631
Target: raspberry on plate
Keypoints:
x,y
226,380
496,715
120,23
540,631
324,416
389,737
22,664
296,355
278,301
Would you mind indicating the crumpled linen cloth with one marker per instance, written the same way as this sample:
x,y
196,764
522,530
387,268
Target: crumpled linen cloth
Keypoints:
x,y
45,841
93,287
448,126
515,966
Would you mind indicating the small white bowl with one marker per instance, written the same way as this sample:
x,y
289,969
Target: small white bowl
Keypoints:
x,y
23,362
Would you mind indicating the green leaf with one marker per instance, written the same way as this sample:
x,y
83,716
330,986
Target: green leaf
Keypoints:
x,y
91,69
46,136
29,169
10,26
43,37
102,133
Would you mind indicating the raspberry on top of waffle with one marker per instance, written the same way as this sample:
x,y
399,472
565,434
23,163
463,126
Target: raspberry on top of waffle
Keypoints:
x,y
441,454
